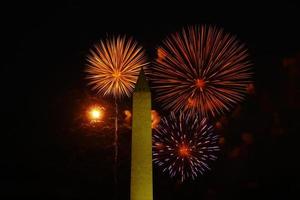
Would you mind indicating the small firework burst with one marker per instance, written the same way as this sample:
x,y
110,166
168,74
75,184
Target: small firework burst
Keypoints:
x,y
114,65
184,146
201,70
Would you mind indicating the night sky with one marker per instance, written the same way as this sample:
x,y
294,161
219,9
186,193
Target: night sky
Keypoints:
x,y
48,149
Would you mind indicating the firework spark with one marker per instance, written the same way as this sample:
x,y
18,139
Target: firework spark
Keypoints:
x,y
114,65
184,146
201,70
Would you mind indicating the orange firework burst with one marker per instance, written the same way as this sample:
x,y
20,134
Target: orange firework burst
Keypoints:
x,y
201,70
114,66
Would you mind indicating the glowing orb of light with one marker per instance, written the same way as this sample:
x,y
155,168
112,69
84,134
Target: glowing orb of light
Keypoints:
x,y
95,113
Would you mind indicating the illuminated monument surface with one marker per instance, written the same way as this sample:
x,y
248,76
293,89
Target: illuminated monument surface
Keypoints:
x,y
141,147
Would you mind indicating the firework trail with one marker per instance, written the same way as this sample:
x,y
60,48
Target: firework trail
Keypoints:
x,y
184,146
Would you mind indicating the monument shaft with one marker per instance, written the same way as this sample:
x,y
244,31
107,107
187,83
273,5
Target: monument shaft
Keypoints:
x,y
141,149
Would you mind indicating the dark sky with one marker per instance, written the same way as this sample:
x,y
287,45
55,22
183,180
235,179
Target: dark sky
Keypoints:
x,y
47,151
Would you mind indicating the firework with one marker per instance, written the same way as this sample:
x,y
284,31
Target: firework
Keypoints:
x,y
201,70
114,65
184,146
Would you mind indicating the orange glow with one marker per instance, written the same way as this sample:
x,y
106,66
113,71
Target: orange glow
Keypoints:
x,y
127,115
200,83
184,151
95,113
161,54
116,74
155,118
191,102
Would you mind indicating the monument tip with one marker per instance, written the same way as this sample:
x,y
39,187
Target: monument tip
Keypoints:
x,y
142,83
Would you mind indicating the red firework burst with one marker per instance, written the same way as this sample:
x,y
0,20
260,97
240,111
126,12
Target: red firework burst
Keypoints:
x,y
202,70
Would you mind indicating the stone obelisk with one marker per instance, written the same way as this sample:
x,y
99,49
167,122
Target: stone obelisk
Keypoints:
x,y
141,146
